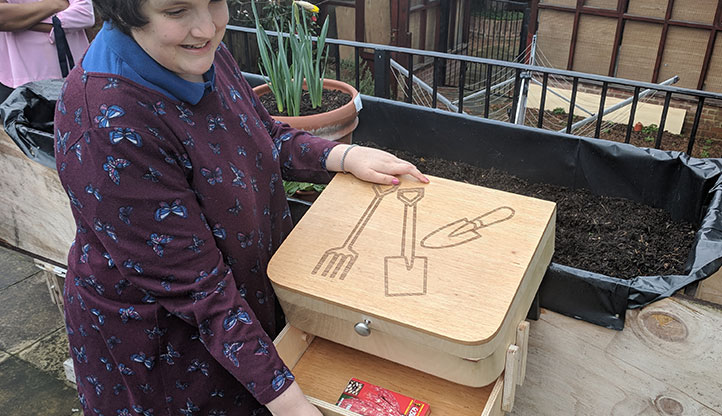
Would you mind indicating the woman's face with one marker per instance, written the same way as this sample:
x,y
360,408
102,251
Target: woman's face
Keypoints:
x,y
182,35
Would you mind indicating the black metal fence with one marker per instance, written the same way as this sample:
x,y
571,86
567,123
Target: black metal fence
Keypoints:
x,y
494,29
433,87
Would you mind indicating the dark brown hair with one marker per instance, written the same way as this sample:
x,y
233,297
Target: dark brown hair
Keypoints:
x,y
123,14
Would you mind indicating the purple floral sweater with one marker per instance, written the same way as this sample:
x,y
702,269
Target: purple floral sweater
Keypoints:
x,y
178,209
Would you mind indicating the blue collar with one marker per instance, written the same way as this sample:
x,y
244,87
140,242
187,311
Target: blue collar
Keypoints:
x,y
114,52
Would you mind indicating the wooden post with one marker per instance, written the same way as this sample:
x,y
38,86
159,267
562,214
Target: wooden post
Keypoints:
x,y
507,400
710,289
522,341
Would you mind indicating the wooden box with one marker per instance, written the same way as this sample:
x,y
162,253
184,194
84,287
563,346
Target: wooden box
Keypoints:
x,y
433,276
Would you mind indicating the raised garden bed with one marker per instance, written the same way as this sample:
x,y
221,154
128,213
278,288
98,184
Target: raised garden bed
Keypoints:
x,y
686,189
608,235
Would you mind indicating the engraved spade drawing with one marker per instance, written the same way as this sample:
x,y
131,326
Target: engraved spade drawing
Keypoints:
x,y
338,260
405,275
464,230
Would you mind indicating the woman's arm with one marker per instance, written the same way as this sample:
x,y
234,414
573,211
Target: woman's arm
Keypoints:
x,y
16,17
41,27
292,402
150,222
300,153
79,15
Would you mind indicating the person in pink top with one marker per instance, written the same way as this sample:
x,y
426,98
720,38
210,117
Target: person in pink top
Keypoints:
x,y
27,42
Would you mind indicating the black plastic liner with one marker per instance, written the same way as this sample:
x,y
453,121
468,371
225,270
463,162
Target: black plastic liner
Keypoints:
x,y
689,189
27,117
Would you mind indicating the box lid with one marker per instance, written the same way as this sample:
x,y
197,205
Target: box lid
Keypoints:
x,y
445,258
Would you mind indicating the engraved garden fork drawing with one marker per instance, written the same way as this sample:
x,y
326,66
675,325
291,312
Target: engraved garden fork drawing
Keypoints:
x,y
340,259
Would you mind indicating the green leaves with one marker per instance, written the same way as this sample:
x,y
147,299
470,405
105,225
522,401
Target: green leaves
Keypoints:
x,y
285,78
291,187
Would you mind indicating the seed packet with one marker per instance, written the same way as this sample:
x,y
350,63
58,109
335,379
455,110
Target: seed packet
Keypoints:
x,y
371,400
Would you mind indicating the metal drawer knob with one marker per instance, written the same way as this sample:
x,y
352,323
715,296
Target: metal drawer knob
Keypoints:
x,y
363,328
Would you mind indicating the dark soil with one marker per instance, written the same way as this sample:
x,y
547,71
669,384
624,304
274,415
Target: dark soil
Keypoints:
x,y
612,236
330,100
703,146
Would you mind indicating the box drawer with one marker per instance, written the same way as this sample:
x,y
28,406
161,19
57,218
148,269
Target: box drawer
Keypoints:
x,y
323,368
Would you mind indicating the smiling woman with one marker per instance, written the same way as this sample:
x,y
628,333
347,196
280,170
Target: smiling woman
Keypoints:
x,y
174,176
182,36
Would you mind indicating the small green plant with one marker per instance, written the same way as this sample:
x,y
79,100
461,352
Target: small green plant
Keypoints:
x,y
285,78
649,139
558,111
650,130
366,80
291,187
705,148
606,131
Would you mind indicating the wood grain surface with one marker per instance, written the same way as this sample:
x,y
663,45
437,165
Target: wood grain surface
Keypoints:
x,y
666,361
462,291
710,289
470,365
34,210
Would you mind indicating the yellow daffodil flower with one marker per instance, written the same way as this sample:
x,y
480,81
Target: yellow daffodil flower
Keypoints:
x,y
308,6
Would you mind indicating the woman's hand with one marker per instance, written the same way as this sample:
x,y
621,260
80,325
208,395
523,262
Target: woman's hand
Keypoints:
x,y
292,402
371,165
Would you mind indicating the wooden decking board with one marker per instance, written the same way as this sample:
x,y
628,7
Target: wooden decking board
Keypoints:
x,y
578,368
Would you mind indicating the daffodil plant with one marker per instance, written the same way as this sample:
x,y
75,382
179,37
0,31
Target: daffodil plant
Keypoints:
x,y
285,78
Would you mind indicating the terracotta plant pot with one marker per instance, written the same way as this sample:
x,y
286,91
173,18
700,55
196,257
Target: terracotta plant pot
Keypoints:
x,y
336,125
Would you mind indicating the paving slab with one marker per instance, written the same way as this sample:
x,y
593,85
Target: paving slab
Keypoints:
x,y
27,314
48,354
14,267
28,391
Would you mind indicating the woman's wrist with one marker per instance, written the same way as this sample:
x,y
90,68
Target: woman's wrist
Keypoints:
x,y
336,155
292,402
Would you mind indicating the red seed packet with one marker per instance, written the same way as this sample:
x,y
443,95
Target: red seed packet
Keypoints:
x,y
371,400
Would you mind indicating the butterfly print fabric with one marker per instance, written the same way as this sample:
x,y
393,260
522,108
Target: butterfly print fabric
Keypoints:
x,y
168,306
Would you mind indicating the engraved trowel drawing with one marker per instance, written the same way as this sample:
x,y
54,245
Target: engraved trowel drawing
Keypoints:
x,y
338,260
464,230
405,275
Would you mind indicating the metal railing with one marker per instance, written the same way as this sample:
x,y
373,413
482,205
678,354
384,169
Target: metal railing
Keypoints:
x,y
382,57
497,29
